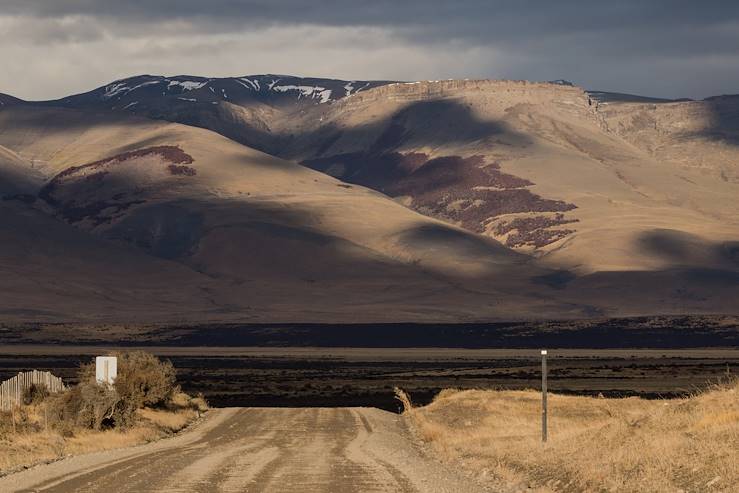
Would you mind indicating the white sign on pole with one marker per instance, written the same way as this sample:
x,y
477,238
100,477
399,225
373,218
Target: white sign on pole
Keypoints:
x,y
106,369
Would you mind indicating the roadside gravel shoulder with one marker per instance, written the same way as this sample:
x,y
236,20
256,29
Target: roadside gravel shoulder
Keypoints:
x,y
49,471
394,441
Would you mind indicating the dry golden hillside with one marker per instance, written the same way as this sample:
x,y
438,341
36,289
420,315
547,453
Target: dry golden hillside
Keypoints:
x,y
445,200
258,237
543,172
544,168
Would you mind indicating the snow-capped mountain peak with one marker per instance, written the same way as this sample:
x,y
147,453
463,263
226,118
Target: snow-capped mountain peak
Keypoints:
x,y
135,93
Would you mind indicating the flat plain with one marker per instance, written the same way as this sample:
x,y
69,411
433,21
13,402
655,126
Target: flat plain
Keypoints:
x,y
360,364
259,376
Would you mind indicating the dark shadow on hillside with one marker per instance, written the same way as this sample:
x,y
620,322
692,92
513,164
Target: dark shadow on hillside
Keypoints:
x,y
444,122
724,119
435,122
697,276
438,238
683,249
670,290
30,117
261,239
8,100
620,97
722,113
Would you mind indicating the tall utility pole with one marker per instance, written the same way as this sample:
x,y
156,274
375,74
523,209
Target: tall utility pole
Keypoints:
x,y
544,396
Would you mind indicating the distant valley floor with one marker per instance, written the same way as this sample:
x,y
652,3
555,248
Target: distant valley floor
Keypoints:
x,y
359,365
668,332
306,377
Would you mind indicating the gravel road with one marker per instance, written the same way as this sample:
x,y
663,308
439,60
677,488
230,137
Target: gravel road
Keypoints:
x,y
259,450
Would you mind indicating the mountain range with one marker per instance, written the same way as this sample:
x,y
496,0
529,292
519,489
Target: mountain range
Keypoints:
x,y
279,198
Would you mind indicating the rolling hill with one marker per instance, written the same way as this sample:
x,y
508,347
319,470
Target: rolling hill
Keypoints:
x,y
326,200
261,238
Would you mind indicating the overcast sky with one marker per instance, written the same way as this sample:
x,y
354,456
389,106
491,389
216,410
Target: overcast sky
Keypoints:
x,y
669,48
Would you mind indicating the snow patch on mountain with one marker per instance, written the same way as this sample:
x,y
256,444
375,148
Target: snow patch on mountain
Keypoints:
x,y
239,81
121,88
144,84
313,92
349,87
317,91
114,89
252,84
186,85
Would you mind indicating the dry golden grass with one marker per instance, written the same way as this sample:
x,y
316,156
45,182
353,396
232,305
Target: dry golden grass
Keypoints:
x,y
33,442
171,421
595,444
184,401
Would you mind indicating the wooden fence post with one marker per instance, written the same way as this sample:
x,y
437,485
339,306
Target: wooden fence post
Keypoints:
x,y
544,396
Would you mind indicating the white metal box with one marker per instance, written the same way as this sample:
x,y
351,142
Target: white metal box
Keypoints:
x,y
106,369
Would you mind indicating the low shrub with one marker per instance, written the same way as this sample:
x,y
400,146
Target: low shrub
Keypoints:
x,y
199,404
180,400
142,405
143,381
86,405
35,394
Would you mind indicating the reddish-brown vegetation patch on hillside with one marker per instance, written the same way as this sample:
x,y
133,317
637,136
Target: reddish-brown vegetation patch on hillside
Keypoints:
x,y
99,210
169,154
181,170
534,231
537,238
464,190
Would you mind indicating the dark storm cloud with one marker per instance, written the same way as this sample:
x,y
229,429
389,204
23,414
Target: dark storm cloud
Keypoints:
x,y
560,14
660,47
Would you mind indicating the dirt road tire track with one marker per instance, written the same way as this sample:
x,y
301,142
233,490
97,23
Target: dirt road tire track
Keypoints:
x,y
286,450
